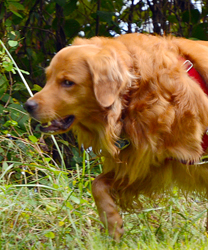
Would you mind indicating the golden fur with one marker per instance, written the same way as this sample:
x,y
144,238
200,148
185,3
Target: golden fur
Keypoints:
x,y
135,87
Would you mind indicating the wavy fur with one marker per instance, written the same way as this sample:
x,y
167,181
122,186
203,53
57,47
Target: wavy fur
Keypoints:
x,y
135,87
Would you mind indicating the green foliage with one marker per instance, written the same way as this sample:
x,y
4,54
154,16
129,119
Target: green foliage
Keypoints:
x,y
12,114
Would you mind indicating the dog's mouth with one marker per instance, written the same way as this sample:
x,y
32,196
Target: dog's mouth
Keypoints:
x,y
58,125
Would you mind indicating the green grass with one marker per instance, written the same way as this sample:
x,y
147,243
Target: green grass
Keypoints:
x,y
51,220
43,206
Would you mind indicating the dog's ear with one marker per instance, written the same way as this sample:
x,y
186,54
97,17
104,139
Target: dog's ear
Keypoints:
x,y
109,75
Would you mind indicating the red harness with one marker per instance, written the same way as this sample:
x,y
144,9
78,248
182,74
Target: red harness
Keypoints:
x,y
197,77
193,73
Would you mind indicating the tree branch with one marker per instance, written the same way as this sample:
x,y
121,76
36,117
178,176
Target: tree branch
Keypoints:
x,y
97,19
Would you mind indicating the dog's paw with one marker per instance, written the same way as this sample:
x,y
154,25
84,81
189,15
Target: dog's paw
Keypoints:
x,y
116,233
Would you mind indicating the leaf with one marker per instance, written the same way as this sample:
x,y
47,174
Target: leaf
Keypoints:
x,y
8,23
172,19
198,216
106,16
66,143
47,159
61,223
75,199
6,168
12,43
32,138
3,80
18,86
5,98
199,31
69,205
23,71
70,7
50,8
18,114
191,16
11,123
50,208
36,88
14,6
50,235
109,5
8,66
71,27
17,14
61,2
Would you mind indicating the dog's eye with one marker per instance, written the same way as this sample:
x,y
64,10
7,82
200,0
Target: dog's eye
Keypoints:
x,y
68,83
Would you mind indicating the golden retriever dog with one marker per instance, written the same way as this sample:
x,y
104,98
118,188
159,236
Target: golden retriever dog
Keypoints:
x,y
133,100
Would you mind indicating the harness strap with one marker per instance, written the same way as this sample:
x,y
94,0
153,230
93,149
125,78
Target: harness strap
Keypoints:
x,y
123,143
197,77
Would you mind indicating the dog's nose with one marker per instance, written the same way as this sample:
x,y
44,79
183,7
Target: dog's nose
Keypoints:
x,y
30,106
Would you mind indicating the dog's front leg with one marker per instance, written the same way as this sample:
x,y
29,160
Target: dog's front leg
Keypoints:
x,y
106,206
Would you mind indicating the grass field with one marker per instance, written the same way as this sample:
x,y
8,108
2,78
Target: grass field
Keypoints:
x,y
44,206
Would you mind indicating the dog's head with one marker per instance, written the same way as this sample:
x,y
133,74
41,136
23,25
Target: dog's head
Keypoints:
x,y
83,80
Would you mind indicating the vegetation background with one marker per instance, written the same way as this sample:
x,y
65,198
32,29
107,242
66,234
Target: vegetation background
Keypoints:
x,y
45,198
